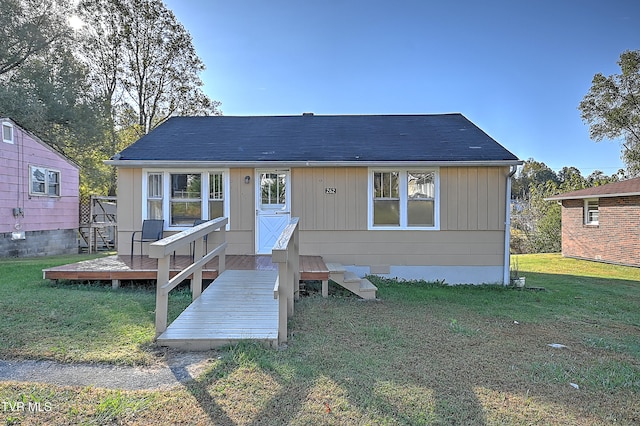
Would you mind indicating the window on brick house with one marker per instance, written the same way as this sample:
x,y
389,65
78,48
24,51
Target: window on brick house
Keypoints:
x,y
591,211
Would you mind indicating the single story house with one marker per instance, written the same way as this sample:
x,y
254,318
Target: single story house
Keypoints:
x,y
602,223
39,196
407,196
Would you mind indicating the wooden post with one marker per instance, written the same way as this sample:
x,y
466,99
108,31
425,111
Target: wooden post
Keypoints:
x,y
282,315
162,296
219,238
295,263
196,278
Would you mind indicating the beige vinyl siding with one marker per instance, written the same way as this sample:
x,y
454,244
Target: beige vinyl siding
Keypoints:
x,y
129,201
335,225
472,198
129,207
344,210
242,200
443,248
242,210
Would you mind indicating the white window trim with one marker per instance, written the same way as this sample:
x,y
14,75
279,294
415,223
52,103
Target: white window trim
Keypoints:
x,y
47,170
10,126
166,191
404,199
586,211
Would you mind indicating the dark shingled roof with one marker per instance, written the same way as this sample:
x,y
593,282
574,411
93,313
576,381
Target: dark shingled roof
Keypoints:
x,y
614,189
318,138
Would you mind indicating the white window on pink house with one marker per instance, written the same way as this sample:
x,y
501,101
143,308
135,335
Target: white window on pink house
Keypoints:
x,y
7,132
44,181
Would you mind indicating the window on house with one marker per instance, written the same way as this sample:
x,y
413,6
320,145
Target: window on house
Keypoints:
x,y
216,196
273,190
182,198
44,181
154,196
591,211
403,199
53,183
386,199
7,132
420,199
186,198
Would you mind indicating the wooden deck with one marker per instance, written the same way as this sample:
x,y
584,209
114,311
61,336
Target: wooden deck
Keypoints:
x,y
117,268
238,305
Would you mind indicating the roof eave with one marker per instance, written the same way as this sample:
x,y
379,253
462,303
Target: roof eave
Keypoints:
x,y
591,196
260,164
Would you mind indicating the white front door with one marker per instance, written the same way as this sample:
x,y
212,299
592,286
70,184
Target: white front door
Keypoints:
x,y
273,210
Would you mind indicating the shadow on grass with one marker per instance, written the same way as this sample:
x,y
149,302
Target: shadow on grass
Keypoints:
x,y
407,359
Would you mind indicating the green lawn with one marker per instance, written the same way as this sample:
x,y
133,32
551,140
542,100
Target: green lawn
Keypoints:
x,y
423,354
75,322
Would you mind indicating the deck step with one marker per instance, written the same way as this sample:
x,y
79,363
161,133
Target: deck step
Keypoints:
x,y
350,277
359,286
366,285
336,268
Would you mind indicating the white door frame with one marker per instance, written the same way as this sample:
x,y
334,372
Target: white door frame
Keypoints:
x,y
271,219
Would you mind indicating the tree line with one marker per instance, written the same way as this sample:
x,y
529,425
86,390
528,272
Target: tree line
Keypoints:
x,y
611,109
93,89
535,223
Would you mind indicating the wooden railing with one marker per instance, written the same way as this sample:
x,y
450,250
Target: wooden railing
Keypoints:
x,y
165,248
286,254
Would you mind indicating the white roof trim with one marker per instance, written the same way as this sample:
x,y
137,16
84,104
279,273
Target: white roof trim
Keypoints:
x,y
253,164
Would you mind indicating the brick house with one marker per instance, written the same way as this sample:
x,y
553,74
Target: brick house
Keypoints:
x,y
602,223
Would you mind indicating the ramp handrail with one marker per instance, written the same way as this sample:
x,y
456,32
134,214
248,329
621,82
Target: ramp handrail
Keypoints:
x,y
164,249
286,253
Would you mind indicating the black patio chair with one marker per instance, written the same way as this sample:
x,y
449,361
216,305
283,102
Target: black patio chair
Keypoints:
x,y
151,231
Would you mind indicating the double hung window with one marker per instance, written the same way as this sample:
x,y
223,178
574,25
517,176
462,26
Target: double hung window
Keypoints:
x,y
7,132
403,199
591,211
181,198
44,181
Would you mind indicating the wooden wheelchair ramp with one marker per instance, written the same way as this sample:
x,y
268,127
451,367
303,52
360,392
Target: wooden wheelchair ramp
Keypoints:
x,y
238,305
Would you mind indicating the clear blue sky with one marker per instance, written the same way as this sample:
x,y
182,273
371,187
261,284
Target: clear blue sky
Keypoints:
x,y
516,68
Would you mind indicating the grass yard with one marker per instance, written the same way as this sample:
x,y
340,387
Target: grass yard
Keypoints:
x,y
76,322
423,354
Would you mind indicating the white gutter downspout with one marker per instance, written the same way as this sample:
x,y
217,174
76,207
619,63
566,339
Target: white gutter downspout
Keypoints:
x,y
507,228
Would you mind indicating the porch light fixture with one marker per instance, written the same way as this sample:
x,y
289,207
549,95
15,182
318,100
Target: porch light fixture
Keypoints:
x,y
247,179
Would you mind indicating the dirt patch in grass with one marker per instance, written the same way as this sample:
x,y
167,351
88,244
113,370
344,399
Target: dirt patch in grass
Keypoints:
x,y
173,369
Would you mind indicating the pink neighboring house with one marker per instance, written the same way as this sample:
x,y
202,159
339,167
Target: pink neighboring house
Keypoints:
x,y
39,196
